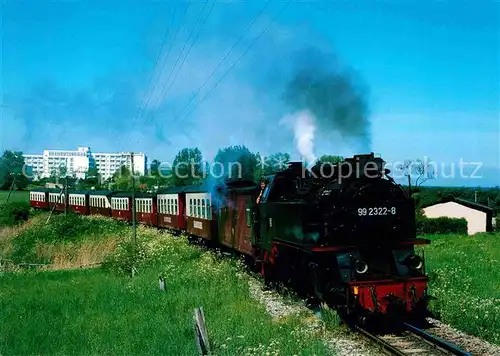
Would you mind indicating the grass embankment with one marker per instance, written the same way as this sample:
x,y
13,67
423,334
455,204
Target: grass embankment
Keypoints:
x,y
100,311
64,242
465,278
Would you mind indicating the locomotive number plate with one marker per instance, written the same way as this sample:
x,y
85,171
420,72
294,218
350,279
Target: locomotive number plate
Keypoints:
x,y
377,211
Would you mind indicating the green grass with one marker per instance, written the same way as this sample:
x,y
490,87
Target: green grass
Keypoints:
x,y
15,196
96,311
465,278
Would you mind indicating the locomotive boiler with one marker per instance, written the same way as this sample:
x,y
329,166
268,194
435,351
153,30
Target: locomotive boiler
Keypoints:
x,y
346,233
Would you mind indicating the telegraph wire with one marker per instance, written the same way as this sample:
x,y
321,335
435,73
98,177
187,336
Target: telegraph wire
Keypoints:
x,y
137,114
223,59
160,97
166,57
236,62
192,45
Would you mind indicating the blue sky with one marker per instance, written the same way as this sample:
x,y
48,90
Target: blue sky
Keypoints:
x,y
82,73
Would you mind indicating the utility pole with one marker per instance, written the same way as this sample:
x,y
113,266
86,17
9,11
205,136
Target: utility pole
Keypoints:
x,y
475,196
55,204
11,188
134,232
66,196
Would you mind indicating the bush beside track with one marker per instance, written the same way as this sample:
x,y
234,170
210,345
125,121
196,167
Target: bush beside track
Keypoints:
x,y
442,225
464,274
103,310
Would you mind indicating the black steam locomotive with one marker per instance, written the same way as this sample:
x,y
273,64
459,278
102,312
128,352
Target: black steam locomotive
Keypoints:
x,y
347,232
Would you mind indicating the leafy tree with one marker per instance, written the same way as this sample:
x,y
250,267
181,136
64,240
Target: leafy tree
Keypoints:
x,y
92,178
271,164
54,177
62,171
324,165
72,180
13,170
92,173
277,162
154,168
330,159
260,166
188,167
122,171
57,174
122,179
234,162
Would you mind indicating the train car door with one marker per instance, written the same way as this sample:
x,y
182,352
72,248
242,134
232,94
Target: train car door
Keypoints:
x,y
264,218
243,224
227,214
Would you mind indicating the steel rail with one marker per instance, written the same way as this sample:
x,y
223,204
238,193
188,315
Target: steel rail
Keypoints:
x,y
440,343
386,347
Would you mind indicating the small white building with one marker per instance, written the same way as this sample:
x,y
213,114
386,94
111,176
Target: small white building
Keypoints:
x,y
479,217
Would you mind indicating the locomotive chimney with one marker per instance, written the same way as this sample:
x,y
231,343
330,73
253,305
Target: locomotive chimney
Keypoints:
x,y
366,165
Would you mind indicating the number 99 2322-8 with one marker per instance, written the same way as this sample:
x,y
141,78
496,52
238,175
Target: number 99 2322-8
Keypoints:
x,y
377,211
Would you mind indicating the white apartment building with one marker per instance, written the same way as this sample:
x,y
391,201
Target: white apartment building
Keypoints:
x,y
78,162
108,163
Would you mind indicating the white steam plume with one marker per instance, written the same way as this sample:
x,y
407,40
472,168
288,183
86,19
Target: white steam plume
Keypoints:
x,y
303,124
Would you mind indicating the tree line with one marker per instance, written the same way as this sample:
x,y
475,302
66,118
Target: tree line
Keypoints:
x,y
189,168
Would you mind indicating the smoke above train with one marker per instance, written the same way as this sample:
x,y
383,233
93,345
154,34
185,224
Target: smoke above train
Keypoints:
x,y
324,97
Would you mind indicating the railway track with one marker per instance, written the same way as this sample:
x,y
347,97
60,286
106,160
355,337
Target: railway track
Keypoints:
x,y
412,341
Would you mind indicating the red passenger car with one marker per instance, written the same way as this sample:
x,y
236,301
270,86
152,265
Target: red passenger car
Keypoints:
x,y
79,201
201,219
171,204
100,202
121,206
57,198
39,198
145,208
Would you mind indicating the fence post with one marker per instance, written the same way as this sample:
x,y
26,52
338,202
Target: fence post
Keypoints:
x,y
200,331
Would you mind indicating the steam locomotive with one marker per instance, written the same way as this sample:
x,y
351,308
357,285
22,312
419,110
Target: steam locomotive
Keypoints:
x,y
343,232
348,232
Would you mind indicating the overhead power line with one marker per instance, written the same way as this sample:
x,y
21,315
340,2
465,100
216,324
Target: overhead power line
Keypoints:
x,y
160,97
166,56
156,63
224,58
234,64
